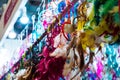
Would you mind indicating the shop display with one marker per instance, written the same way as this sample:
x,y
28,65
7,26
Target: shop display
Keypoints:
x,y
72,40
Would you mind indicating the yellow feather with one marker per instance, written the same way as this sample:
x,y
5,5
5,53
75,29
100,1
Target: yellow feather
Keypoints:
x,y
114,10
90,12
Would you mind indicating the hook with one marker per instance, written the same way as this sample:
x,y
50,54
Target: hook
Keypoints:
x,y
63,30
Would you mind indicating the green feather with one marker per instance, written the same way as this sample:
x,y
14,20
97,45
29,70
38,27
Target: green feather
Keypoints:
x,y
116,18
105,8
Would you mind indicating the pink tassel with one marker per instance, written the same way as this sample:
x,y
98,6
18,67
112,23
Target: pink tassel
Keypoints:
x,y
21,52
119,50
99,68
45,24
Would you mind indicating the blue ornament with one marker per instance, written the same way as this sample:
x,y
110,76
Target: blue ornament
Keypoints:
x,y
61,78
61,6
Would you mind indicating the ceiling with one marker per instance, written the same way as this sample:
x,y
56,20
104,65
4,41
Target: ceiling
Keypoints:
x,y
31,9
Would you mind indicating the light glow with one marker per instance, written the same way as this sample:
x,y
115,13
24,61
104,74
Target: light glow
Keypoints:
x,y
24,20
12,35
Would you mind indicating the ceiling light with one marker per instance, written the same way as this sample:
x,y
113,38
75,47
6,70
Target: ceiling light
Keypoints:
x,y
12,35
24,19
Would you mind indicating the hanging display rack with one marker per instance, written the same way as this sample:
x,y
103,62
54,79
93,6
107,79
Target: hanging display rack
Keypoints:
x,y
44,34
